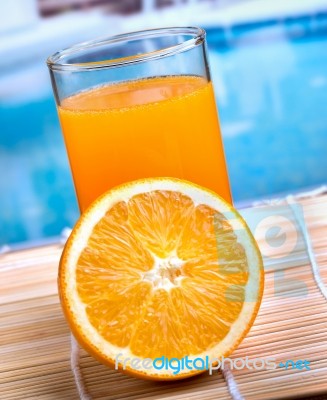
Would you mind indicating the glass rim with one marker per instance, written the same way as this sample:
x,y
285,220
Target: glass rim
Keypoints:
x,y
57,60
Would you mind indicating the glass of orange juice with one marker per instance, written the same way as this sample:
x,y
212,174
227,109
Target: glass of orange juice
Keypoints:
x,y
139,105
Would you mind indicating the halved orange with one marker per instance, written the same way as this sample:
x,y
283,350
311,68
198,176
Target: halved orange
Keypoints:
x,y
160,268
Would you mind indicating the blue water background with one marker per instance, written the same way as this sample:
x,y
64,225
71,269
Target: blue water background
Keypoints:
x,y
271,88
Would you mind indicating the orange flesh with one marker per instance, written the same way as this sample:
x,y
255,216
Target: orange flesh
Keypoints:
x,y
137,248
165,126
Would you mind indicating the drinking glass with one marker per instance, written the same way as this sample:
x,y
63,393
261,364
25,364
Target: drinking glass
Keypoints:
x,y
139,105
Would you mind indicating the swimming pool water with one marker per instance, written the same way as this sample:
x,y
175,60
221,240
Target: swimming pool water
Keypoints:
x,y
271,88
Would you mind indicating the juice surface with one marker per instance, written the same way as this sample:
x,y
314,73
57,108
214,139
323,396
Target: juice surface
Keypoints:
x,y
166,126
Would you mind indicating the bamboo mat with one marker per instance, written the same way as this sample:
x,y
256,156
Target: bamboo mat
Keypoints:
x,y
292,324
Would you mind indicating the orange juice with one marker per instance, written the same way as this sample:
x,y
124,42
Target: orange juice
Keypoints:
x,y
166,126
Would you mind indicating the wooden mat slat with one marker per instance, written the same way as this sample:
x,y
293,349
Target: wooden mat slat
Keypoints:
x,y
35,343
